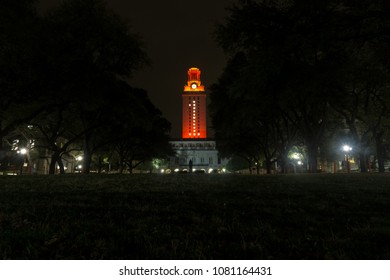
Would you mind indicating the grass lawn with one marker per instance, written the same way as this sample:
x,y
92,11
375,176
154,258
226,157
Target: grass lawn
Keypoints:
x,y
195,216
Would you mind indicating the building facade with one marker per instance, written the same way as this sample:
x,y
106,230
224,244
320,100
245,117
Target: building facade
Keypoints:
x,y
202,154
194,151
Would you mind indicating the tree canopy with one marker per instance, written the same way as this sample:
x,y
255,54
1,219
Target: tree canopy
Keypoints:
x,y
297,66
66,81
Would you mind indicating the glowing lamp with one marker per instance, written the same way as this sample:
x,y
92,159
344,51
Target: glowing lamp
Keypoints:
x,y
347,148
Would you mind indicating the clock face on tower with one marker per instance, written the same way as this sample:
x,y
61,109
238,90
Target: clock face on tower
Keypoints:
x,y
194,85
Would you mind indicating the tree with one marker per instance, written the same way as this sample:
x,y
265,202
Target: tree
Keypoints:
x,y
275,70
363,99
298,57
87,50
144,136
19,81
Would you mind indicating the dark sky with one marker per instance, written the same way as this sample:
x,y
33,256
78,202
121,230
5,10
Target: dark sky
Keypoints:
x,y
178,35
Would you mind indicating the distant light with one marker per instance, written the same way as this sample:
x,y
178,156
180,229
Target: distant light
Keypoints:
x,y
295,156
210,170
299,162
347,148
176,170
23,151
79,158
80,166
223,170
162,170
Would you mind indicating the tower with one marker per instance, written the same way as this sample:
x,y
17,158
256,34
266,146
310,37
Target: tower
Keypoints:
x,y
194,107
194,149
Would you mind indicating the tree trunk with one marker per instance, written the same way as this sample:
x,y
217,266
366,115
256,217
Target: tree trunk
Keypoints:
x,y
121,166
380,152
284,164
100,165
312,157
363,162
87,157
249,165
55,157
61,166
381,162
268,166
131,168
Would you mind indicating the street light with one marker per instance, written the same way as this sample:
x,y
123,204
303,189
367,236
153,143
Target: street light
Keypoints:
x,y
23,152
295,159
347,149
78,165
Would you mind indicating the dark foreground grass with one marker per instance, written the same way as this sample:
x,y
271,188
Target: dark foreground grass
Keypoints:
x,y
195,216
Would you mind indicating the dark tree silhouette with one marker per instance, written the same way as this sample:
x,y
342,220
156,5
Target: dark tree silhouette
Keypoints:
x,y
298,61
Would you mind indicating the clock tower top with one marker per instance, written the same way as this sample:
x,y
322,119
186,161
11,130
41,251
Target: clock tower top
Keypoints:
x,y
193,83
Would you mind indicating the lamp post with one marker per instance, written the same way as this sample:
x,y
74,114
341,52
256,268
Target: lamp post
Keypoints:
x,y
23,152
79,164
296,160
347,149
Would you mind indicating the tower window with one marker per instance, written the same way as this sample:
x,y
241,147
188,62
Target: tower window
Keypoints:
x,y
193,76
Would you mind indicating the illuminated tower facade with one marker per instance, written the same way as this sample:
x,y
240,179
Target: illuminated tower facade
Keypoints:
x,y
194,107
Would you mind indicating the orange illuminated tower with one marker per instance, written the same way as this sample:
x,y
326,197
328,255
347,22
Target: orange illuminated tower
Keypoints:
x,y
194,107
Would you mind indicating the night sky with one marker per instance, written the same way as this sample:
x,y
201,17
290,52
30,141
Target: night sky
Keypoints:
x,y
178,35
